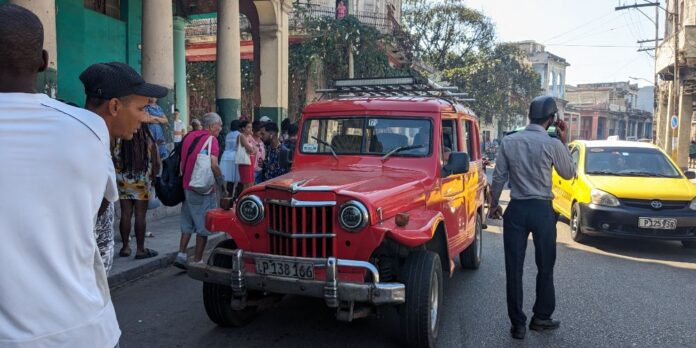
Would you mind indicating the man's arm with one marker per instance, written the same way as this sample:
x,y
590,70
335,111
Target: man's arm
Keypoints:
x,y
500,175
562,161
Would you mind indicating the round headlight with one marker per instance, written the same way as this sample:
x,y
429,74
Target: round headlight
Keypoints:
x,y
250,209
353,216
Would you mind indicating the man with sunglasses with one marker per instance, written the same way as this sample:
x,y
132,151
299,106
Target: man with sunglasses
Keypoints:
x,y
525,159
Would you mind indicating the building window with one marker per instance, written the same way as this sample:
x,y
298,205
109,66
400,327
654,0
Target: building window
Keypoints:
x,y
111,8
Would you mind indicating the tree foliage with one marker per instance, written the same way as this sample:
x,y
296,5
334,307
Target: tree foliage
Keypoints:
x,y
459,42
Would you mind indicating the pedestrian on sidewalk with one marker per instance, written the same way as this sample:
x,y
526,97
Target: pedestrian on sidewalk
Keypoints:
x,y
55,171
228,162
157,121
525,159
246,141
258,141
137,162
288,148
118,95
271,165
692,153
179,130
196,205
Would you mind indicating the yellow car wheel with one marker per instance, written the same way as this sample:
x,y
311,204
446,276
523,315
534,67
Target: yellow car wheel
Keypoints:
x,y
575,219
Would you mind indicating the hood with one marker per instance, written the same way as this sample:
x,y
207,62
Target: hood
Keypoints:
x,y
672,189
388,189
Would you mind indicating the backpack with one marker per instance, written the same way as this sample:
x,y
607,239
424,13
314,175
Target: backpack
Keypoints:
x,y
169,187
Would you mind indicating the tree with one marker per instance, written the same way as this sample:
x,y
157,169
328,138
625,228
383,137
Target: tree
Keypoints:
x,y
459,43
447,34
501,83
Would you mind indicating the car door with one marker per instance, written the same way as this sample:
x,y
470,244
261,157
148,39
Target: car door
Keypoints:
x,y
563,188
452,186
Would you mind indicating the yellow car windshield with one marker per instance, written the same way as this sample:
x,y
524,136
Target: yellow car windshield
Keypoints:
x,y
625,161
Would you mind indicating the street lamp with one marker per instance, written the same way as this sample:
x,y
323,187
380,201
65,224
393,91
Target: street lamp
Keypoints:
x,y
640,78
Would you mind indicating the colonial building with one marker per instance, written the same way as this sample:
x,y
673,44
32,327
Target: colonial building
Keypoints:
x,y
600,110
552,70
675,98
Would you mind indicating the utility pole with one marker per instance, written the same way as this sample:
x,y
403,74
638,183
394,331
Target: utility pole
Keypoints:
x,y
656,40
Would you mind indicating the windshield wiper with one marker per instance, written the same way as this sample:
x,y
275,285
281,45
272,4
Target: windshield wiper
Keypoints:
x,y
401,148
326,144
604,172
659,175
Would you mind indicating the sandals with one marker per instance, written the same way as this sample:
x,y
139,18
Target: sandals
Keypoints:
x,y
148,254
124,252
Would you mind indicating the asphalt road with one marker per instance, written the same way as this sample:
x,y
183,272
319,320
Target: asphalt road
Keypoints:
x,y
610,292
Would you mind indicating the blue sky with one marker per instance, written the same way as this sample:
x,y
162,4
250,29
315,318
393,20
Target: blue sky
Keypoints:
x,y
581,31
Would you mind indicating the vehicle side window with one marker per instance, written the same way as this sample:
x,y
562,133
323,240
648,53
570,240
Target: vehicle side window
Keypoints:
x,y
575,155
470,136
449,139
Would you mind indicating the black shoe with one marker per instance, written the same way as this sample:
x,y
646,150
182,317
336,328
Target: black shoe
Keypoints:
x,y
543,324
518,331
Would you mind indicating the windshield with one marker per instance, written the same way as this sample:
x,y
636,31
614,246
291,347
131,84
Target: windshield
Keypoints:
x,y
624,161
366,136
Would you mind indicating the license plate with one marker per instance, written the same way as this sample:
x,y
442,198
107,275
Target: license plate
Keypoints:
x,y
288,269
657,223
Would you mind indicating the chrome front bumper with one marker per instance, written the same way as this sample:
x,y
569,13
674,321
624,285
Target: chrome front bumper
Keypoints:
x,y
331,289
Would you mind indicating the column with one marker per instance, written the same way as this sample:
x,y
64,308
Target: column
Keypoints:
x,y
667,121
46,82
595,126
684,131
274,36
180,68
229,70
158,51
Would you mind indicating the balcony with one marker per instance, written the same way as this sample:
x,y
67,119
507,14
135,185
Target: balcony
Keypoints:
x,y
687,50
201,30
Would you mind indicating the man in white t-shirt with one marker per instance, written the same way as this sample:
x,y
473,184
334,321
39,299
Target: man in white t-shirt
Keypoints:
x,y
178,127
55,166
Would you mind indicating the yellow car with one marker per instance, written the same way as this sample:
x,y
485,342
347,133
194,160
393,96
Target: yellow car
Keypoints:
x,y
626,189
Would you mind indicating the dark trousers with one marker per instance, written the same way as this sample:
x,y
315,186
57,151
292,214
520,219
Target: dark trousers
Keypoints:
x,y
521,218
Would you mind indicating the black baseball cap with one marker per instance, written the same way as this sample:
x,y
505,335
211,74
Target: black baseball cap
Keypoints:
x,y
114,80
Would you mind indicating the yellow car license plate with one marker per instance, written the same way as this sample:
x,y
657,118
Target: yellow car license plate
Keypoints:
x,y
657,223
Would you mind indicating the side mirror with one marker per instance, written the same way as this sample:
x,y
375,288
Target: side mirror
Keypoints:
x,y
690,175
458,163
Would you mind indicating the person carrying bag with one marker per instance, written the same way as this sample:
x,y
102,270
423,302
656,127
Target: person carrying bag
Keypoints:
x,y
202,178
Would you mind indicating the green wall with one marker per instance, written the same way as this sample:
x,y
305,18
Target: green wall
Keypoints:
x,y
86,37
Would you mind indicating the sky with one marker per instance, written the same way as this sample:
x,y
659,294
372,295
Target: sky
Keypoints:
x,y
599,43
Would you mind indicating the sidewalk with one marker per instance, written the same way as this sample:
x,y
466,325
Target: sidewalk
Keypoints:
x,y
163,222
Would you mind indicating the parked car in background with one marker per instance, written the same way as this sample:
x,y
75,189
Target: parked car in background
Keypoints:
x,y
627,189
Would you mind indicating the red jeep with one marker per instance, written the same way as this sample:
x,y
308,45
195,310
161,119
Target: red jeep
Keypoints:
x,y
384,194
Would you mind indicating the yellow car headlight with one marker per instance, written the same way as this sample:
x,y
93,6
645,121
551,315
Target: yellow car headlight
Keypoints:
x,y
606,199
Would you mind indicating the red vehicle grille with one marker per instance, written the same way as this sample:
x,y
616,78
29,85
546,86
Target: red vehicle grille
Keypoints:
x,y
301,231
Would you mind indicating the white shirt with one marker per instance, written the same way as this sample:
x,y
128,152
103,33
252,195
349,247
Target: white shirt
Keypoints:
x,y
178,127
54,168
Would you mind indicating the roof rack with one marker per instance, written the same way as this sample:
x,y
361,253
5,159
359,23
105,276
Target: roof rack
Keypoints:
x,y
407,86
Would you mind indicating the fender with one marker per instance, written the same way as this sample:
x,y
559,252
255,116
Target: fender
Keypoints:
x,y
219,220
420,229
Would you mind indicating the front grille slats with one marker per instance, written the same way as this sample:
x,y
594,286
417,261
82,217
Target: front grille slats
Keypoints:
x,y
304,231
646,204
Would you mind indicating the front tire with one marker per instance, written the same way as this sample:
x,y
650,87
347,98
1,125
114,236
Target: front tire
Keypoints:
x,y
689,244
217,298
575,223
470,258
422,275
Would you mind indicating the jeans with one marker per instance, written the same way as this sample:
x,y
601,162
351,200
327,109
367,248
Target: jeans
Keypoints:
x,y
521,218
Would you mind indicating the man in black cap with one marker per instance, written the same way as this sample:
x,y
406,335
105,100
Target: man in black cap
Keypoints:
x,y
525,158
118,95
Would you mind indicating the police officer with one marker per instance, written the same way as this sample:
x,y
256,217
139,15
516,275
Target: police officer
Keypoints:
x,y
525,159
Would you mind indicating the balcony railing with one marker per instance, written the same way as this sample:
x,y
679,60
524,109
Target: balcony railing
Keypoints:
x,y
208,26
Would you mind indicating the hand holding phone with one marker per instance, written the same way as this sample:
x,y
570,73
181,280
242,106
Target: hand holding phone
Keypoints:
x,y
561,130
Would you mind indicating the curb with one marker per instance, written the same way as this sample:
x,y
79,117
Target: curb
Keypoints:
x,y
162,261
